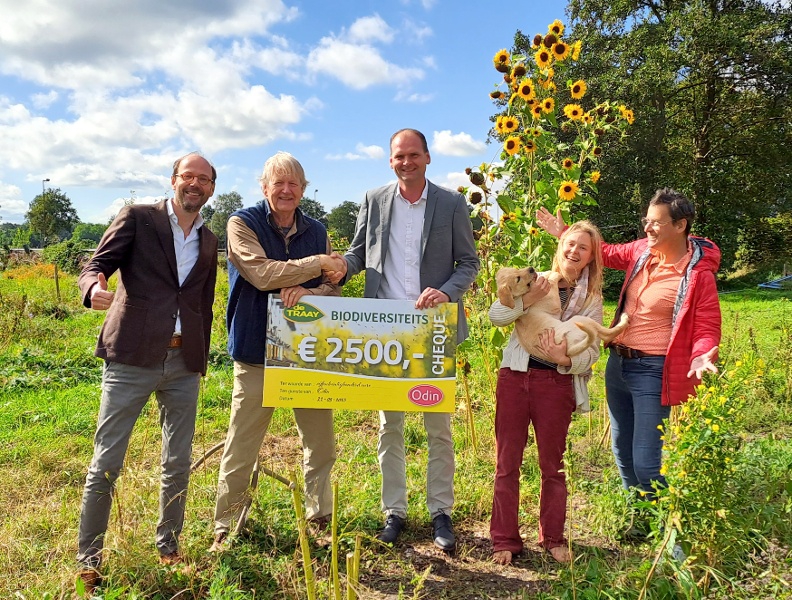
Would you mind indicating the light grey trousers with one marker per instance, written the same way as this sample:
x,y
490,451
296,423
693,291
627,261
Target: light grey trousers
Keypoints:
x,y
125,391
393,466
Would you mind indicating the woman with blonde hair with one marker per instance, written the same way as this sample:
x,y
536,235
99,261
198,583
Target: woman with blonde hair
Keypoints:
x,y
532,391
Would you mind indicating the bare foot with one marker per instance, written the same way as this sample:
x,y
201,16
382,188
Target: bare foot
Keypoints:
x,y
502,557
561,554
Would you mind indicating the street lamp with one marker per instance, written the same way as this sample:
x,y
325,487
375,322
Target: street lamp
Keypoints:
x,y
315,195
42,185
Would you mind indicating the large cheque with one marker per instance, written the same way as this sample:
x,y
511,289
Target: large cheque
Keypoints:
x,y
360,354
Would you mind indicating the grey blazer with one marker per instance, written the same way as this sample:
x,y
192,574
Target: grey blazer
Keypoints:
x,y
449,261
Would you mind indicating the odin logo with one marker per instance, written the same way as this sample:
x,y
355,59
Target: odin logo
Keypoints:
x,y
425,395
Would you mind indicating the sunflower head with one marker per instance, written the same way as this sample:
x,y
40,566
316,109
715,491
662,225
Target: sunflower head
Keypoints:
x,y
556,27
496,95
573,112
519,70
548,105
576,47
568,190
628,115
537,41
502,59
568,163
536,111
475,197
529,146
599,131
512,145
560,51
509,124
476,178
543,58
578,89
597,151
595,176
549,40
526,89
507,78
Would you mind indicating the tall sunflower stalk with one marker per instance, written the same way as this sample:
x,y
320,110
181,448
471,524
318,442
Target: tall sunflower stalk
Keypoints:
x,y
552,135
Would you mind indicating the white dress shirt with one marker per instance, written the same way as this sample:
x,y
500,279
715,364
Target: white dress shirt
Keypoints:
x,y
401,270
186,248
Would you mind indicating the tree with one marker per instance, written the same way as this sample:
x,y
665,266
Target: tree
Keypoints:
x,y
207,212
52,215
224,205
313,208
343,218
89,231
710,83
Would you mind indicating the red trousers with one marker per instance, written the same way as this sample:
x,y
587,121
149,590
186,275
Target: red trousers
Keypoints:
x,y
546,399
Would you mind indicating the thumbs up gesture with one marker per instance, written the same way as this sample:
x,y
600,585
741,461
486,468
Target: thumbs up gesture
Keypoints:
x,y
101,297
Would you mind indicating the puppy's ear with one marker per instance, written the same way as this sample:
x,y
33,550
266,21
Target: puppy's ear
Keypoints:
x,y
505,295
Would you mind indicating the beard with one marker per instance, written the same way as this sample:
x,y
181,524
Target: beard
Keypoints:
x,y
190,204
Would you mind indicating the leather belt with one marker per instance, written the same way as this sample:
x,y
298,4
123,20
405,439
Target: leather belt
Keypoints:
x,y
175,342
626,352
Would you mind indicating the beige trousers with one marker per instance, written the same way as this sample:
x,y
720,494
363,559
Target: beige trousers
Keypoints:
x,y
246,430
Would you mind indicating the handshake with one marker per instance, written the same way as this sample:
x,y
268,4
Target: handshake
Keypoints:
x,y
334,266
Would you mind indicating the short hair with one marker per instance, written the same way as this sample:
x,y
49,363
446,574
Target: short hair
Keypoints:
x,y
282,163
596,266
679,207
416,132
194,153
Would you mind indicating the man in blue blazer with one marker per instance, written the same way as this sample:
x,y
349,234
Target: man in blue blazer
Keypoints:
x,y
415,242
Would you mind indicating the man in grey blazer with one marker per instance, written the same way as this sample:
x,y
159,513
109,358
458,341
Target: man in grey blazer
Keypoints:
x,y
415,242
155,339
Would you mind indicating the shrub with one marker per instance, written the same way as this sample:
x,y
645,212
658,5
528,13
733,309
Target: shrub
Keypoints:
x,y
70,256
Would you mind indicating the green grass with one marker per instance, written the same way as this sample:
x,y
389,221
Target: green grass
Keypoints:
x,y
49,396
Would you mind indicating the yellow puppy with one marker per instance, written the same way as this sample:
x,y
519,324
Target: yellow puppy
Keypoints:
x,y
545,313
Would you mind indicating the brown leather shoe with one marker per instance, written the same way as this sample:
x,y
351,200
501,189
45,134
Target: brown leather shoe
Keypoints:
x,y
172,559
91,579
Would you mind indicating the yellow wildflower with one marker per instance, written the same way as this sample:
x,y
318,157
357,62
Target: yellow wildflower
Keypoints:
x,y
568,190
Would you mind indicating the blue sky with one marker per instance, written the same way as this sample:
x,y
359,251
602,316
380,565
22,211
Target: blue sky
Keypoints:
x,y
101,96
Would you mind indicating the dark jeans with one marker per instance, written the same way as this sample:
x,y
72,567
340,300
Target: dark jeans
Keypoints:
x,y
633,387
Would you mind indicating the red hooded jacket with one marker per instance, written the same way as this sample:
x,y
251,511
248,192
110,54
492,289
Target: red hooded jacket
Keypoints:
x,y
696,320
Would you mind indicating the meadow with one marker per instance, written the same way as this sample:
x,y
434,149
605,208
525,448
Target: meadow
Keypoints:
x,y
729,458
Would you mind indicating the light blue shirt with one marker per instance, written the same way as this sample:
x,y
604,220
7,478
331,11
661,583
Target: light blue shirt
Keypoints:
x,y
186,248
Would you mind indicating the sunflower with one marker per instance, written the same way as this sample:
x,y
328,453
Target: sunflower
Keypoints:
x,y
576,47
496,94
512,145
526,89
519,70
536,111
628,115
568,190
573,112
533,132
549,40
475,197
597,151
548,105
560,51
543,59
499,125
533,231
556,27
595,176
578,89
502,60
537,41
529,146
567,163
510,124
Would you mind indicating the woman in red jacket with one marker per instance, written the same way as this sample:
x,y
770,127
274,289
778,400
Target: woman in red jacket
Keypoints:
x,y
670,296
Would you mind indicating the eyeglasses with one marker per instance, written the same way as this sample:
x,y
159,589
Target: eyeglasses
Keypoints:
x,y
652,222
189,178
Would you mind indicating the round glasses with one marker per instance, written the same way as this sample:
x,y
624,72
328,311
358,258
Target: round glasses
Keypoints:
x,y
652,222
189,178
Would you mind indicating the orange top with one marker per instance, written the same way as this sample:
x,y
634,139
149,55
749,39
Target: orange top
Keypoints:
x,y
649,303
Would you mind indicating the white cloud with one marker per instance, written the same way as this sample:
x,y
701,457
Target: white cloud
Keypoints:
x,y
370,29
358,66
363,152
416,98
42,101
12,206
459,144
